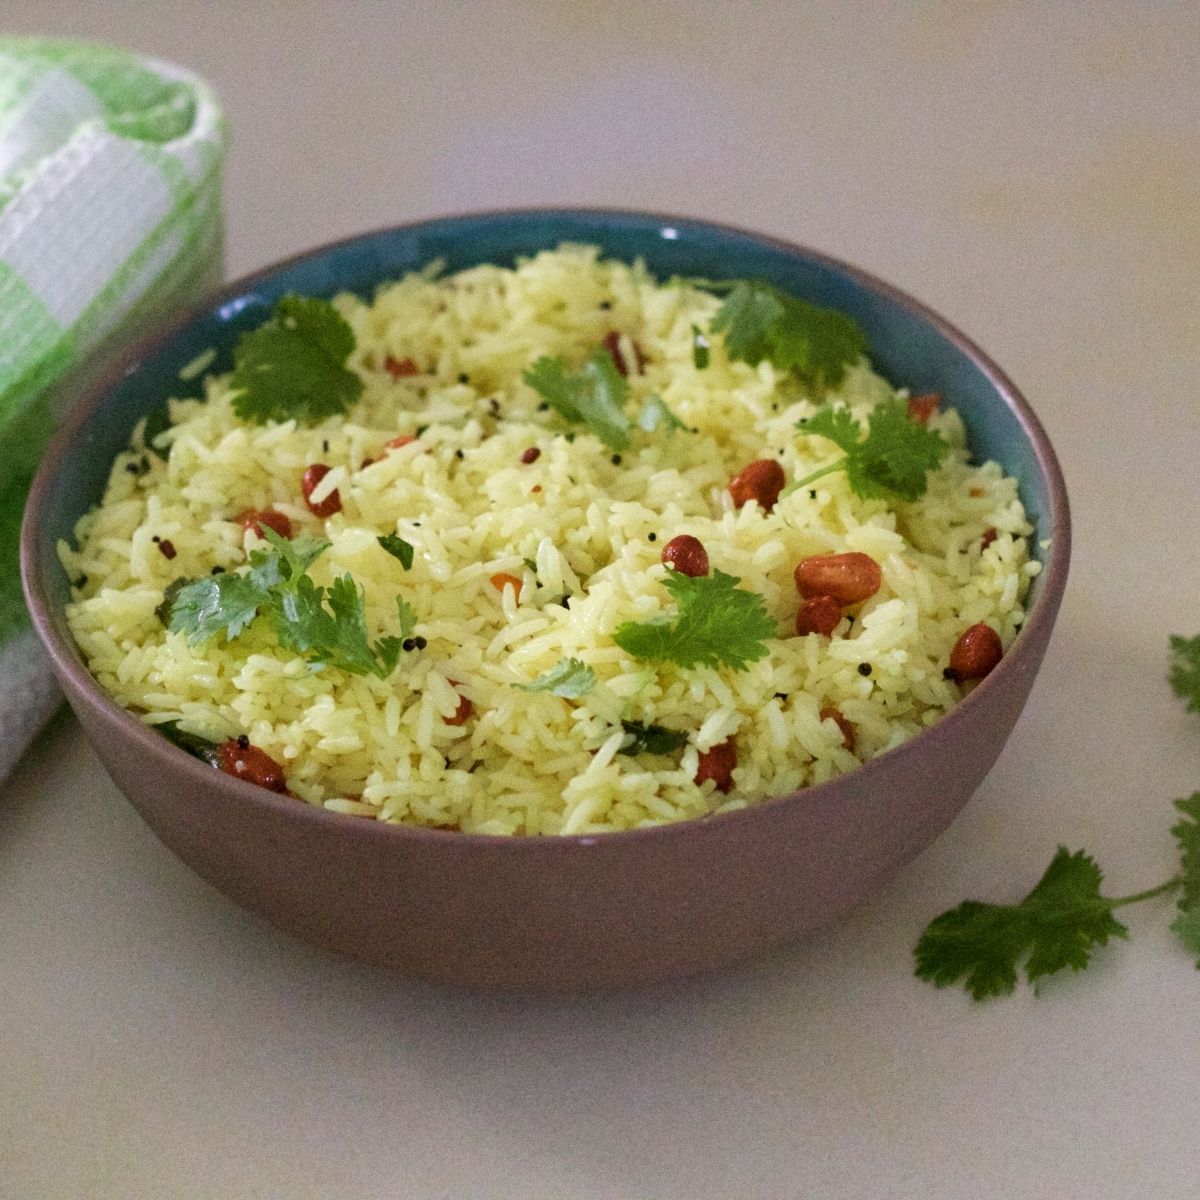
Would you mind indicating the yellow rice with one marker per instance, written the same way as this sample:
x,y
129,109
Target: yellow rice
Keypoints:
x,y
534,763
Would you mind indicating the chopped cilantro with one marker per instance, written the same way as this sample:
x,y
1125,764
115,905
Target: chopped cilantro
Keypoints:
x,y
398,548
718,624
407,617
760,321
655,413
569,679
1185,670
595,395
294,365
651,739
327,626
195,745
892,461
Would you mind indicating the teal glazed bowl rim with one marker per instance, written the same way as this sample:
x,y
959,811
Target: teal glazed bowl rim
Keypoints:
x,y
910,344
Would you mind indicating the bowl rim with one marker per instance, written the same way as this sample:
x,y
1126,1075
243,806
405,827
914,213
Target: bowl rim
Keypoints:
x,y
1036,626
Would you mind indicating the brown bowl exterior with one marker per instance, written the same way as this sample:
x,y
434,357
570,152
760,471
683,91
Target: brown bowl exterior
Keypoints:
x,y
570,913
564,913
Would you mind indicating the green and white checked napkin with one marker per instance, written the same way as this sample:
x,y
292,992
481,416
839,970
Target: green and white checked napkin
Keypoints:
x,y
110,216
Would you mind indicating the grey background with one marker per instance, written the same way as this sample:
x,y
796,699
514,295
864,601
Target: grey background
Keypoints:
x,y
1030,170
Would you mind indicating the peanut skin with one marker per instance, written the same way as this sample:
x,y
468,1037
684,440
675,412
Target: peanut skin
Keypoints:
x,y
717,764
835,715
849,578
818,614
921,408
687,555
761,480
976,652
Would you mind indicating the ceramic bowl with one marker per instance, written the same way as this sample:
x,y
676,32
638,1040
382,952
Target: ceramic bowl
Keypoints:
x,y
555,912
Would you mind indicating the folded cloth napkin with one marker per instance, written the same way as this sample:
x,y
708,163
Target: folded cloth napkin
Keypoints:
x,y
110,216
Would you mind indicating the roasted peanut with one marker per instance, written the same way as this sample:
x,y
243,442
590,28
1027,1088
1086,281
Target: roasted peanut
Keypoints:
x,y
503,579
308,484
717,764
463,711
398,368
921,408
238,758
267,518
612,343
976,652
849,578
761,480
848,732
686,554
818,614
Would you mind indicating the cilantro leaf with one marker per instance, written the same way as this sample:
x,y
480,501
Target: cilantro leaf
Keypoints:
x,y
398,548
651,739
284,560
836,424
406,616
217,604
718,623
595,395
1187,927
892,461
1187,835
163,611
700,349
1057,925
1185,670
569,679
329,627
655,413
760,321
746,318
294,365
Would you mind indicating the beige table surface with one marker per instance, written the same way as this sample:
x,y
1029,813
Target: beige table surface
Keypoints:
x,y
1033,171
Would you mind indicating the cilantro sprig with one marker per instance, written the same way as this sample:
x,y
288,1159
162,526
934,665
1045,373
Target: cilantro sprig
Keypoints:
x,y
717,624
294,365
326,625
643,738
892,461
759,321
1065,918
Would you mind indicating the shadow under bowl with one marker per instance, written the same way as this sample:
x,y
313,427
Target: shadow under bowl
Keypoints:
x,y
554,912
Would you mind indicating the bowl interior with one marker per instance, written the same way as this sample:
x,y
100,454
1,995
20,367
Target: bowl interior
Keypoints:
x,y
911,346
